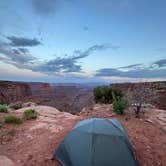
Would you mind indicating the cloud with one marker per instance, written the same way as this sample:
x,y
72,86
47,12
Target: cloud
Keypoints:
x,y
160,63
131,66
135,71
23,50
21,58
140,73
78,54
69,63
58,65
23,42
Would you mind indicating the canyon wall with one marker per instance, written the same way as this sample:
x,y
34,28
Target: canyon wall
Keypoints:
x,y
70,98
65,98
158,87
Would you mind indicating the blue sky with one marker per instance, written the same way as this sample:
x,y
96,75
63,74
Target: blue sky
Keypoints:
x,y
83,41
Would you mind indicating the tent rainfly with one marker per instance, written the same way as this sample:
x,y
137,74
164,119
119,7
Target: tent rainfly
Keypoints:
x,y
96,142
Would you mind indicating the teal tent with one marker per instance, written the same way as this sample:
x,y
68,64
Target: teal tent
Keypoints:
x,y
96,142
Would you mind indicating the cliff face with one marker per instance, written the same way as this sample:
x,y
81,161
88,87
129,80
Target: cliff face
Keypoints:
x,y
13,91
65,98
158,87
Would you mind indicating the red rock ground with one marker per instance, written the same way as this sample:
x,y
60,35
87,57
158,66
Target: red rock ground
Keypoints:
x,y
35,140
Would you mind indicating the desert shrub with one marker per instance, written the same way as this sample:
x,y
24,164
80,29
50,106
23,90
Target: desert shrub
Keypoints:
x,y
12,119
103,94
119,104
117,93
16,105
30,114
3,108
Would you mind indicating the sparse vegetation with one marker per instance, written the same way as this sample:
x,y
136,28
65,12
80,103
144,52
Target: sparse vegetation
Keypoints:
x,y
140,97
103,94
16,105
30,114
3,108
119,104
12,119
108,95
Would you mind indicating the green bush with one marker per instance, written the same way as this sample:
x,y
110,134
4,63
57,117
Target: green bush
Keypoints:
x,y
13,119
119,105
103,94
30,114
3,108
16,105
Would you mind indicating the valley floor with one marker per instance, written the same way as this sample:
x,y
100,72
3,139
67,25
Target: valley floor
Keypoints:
x,y
35,141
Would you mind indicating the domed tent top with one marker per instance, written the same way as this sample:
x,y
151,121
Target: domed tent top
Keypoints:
x,y
96,142
101,126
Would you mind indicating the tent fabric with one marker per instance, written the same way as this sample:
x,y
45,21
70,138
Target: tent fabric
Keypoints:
x,y
96,142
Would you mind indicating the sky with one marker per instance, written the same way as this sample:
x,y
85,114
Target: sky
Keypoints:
x,y
61,41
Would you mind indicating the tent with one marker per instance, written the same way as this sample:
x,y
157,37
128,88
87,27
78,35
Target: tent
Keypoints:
x,y
96,142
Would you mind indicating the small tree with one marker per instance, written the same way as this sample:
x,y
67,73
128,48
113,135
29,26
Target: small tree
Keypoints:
x,y
140,96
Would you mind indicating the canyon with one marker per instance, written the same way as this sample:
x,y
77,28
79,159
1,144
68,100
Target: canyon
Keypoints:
x,y
68,97
34,141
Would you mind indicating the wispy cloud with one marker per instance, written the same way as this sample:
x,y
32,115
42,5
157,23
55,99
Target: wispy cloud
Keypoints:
x,y
131,66
21,58
23,42
69,63
136,71
160,63
142,73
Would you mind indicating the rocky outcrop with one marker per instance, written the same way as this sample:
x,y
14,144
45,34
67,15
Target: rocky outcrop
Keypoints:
x,y
35,140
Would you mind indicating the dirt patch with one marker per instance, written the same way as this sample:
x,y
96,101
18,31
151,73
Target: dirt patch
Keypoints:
x,y
147,134
36,140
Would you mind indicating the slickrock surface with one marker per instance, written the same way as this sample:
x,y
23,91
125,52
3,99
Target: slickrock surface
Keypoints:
x,y
36,140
